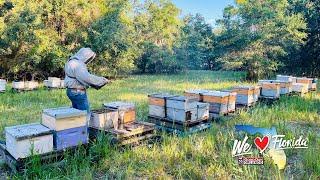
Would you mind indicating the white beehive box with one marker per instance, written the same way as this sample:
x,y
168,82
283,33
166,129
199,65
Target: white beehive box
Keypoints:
x,y
285,78
31,85
300,88
157,104
126,110
19,85
245,95
46,83
257,92
54,82
62,84
285,87
103,119
219,101
24,140
203,110
181,108
64,118
3,84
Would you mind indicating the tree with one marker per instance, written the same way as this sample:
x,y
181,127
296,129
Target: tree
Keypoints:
x,y
257,35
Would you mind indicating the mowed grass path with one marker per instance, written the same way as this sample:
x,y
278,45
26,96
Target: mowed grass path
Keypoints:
x,y
204,155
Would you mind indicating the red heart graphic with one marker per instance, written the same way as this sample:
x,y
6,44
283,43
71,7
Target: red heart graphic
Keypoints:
x,y
262,144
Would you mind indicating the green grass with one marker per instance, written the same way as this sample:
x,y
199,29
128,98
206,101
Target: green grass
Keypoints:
x,y
204,155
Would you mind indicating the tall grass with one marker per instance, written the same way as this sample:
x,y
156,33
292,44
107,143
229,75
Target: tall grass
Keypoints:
x,y
206,155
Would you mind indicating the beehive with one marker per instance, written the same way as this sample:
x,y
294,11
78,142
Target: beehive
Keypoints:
x,y
308,81
103,119
314,84
63,118
202,110
62,84
54,82
24,140
46,83
70,137
300,88
3,84
19,85
127,112
157,104
219,101
286,78
31,85
245,95
270,89
181,108
285,87
198,93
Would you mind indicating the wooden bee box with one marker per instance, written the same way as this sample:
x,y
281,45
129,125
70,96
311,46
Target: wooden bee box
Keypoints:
x,y
301,88
31,85
309,81
64,118
196,93
157,104
219,101
202,111
3,84
181,108
24,140
270,90
103,119
19,85
54,82
127,112
245,95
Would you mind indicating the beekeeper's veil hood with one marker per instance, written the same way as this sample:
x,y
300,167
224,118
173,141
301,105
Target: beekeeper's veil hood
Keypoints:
x,y
85,55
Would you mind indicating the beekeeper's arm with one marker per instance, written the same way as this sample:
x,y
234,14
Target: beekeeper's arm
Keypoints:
x,y
84,77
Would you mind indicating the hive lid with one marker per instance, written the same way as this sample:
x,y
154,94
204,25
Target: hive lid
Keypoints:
x,y
119,105
64,112
26,131
161,95
196,91
183,98
217,93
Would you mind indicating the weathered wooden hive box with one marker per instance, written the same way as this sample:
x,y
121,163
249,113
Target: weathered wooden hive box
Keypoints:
x,y
31,85
245,95
300,88
127,111
19,85
69,125
270,88
3,84
198,93
181,108
286,78
24,140
305,80
219,101
157,104
103,119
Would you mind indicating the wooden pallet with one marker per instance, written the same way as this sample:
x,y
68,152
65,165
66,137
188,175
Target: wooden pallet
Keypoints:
x,y
178,127
132,133
17,165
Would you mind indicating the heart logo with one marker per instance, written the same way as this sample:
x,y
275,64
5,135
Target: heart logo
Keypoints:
x,y
262,144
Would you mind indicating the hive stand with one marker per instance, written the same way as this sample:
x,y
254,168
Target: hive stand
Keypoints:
x,y
178,127
132,134
17,165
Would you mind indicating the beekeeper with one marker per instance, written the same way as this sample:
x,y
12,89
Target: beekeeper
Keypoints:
x,y
78,79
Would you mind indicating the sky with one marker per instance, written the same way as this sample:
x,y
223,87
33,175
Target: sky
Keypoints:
x,y
211,10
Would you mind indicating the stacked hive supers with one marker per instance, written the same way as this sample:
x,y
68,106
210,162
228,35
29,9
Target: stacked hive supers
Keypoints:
x,y
25,85
68,124
3,84
221,103
246,95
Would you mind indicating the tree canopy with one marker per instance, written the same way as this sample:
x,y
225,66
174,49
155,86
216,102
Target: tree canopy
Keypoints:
x,y
129,36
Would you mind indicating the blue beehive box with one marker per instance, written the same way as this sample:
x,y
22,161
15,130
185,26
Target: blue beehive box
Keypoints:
x,y
70,137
